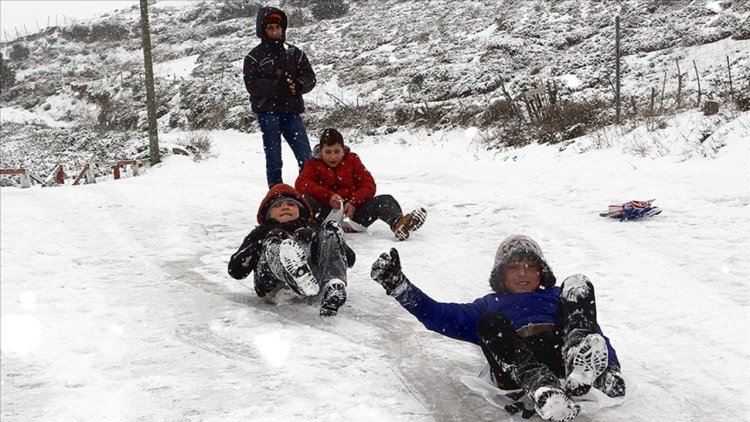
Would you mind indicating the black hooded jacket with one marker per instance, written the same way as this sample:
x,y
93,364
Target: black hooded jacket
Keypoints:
x,y
265,67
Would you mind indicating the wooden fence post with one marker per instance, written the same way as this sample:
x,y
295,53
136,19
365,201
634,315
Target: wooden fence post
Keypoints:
x,y
697,78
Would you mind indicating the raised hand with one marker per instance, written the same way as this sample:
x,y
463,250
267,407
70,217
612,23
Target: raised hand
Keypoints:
x,y
386,270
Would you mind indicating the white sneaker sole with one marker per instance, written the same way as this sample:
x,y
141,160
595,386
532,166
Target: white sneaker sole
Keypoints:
x,y
418,218
301,278
590,361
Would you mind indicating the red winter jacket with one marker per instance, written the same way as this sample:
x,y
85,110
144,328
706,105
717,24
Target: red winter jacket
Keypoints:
x,y
350,179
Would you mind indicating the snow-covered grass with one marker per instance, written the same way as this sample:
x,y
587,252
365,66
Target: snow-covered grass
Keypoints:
x,y
116,304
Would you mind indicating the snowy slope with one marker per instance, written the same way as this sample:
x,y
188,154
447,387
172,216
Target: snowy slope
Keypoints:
x,y
116,304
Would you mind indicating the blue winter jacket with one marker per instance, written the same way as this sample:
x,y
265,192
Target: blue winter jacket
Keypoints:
x,y
461,320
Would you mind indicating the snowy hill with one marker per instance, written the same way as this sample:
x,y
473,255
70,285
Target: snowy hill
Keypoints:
x,y
382,67
116,304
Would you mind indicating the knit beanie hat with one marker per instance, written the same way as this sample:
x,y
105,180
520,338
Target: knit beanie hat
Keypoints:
x,y
283,197
514,248
274,17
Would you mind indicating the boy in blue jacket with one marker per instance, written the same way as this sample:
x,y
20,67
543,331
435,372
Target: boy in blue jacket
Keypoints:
x,y
531,331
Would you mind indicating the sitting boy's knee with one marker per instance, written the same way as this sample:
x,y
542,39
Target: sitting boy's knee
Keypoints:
x,y
332,226
575,287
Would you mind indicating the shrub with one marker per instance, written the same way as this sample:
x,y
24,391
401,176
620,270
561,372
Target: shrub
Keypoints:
x,y
198,144
329,9
296,19
569,120
354,116
497,111
742,101
7,75
99,31
18,52
108,31
232,9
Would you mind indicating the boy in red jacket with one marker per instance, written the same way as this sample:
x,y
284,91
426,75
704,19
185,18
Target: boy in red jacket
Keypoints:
x,y
334,177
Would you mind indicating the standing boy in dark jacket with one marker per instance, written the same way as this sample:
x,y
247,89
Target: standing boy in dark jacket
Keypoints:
x,y
530,331
335,177
276,76
289,250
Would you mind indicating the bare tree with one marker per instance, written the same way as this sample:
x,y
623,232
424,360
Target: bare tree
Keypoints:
x,y
153,133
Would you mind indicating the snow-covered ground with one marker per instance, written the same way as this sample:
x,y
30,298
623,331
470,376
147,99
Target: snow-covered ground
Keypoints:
x,y
116,304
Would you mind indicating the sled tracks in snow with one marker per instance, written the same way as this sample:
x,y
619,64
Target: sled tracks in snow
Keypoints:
x,y
433,380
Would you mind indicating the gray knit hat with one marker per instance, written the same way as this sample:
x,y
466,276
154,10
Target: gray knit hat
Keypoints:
x,y
516,247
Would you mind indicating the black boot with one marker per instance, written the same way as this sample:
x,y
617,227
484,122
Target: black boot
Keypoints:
x,y
509,356
584,351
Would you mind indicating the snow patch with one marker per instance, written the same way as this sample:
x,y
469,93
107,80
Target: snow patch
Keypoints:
x,y
178,68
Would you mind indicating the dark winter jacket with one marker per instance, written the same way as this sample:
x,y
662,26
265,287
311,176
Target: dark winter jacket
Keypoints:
x,y
267,64
461,320
245,260
350,179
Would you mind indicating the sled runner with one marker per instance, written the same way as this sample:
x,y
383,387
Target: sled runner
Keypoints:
x,y
632,210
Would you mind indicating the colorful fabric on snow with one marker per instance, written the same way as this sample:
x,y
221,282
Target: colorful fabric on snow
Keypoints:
x,y
632,210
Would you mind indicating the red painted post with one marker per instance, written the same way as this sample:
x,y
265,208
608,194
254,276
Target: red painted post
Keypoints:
x,y
60,175
116,169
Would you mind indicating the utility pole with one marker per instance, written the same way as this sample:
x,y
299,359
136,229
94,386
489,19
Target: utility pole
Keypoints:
x,y
153,134
617,68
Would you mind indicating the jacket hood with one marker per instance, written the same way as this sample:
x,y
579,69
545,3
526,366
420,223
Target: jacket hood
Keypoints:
x,y
516,247
279,191
261,18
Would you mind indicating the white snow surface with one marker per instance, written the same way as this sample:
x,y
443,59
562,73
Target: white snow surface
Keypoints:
x,y
116,303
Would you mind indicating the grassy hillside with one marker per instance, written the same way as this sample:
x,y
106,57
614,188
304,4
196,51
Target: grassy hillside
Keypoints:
x,y
382,66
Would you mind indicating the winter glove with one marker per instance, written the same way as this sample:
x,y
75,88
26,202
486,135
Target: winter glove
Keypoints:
x,y
284,88
304,234
611,382
244,261
386,270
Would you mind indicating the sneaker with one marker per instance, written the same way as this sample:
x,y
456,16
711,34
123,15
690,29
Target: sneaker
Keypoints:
x,y
552,404
585,363
300,278
408,223
334,296
611,382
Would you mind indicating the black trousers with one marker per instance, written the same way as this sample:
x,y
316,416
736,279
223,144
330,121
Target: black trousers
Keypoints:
x,y
380,207
520,362
328,259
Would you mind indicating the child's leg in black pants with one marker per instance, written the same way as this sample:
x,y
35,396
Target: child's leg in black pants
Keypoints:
x,y
381,207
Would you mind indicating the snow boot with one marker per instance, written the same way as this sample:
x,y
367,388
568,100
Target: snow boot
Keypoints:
x,y
409,223
584,351
611,382
298,275
334,296
584,364
552,404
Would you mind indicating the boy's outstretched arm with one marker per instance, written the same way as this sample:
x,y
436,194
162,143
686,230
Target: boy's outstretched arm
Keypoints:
x,y
455,320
